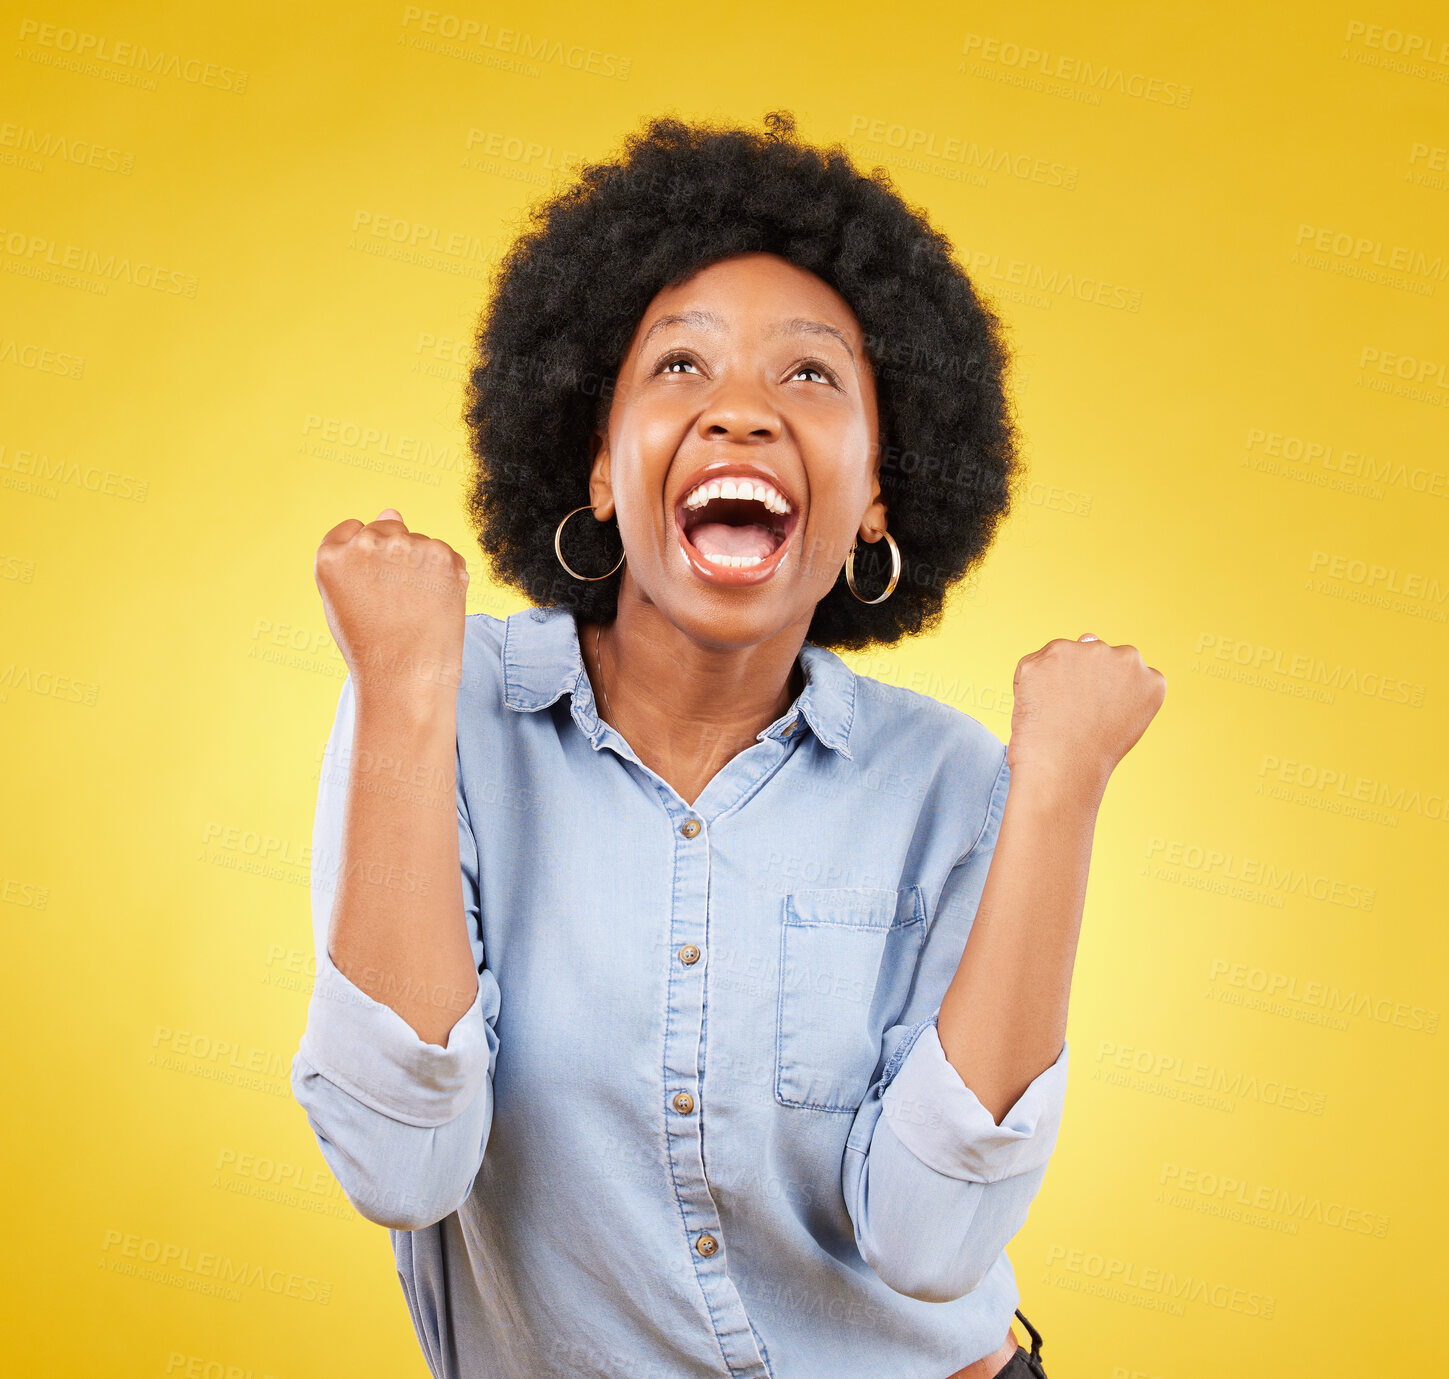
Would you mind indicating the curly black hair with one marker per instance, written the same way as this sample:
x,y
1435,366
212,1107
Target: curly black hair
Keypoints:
x,y
572,288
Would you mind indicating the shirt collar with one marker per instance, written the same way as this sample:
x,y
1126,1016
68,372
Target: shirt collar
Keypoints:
x,y
542,660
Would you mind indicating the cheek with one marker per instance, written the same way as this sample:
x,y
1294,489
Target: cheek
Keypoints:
x,y
858,448
645,440
840,447
657,434
642,450
840,478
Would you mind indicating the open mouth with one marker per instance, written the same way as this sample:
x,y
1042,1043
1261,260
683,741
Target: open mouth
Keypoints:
x,y
734,531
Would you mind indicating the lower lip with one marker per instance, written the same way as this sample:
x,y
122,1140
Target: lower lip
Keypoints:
x,y
733,576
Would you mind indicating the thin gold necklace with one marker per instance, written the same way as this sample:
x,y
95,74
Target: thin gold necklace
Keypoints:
x,y
599,661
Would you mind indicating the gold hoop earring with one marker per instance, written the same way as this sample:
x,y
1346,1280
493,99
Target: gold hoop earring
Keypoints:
x,y
558,551
895,570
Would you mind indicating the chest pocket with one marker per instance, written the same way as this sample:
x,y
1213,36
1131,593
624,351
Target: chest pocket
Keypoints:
x,y
847,956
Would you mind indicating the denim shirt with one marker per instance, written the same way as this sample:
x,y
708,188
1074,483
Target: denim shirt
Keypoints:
x,y
698,1120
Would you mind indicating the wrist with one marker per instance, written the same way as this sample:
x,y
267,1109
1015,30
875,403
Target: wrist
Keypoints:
x,y
1058,784
408,705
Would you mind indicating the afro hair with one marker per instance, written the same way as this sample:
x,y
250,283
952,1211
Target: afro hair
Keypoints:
x,y
573,286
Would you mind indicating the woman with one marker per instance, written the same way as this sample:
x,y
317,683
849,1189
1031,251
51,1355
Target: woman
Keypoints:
x,y
696,1072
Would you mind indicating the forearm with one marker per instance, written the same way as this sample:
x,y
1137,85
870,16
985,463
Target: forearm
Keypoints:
x,y
1003,1019
397,928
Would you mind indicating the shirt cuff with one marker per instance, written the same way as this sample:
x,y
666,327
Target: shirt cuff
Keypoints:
x,y
368,1049
935,1115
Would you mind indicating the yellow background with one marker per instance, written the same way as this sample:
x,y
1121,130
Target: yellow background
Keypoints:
x,y
1215,476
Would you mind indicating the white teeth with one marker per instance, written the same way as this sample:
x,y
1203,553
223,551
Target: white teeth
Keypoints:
x,y
733,561
757,490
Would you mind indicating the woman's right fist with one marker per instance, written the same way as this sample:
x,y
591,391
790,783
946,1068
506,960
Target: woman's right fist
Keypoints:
x,y
396,602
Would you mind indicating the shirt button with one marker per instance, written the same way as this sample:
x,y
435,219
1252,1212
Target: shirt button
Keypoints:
x,y
683,1103
706,1244
790,728
689,955
689,827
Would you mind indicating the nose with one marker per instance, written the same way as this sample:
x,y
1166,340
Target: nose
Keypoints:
x,y
739,410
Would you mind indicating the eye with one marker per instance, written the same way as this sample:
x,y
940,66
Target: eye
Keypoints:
x,y
814,366
667,363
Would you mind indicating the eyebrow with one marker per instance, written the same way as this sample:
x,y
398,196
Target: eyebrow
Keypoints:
x,y
707,320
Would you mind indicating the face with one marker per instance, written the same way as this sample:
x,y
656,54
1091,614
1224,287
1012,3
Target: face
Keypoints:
x,y
754,371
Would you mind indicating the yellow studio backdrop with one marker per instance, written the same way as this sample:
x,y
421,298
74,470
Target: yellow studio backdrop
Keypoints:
x,y
243,253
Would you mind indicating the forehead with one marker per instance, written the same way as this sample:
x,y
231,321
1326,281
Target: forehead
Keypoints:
x,y
750,292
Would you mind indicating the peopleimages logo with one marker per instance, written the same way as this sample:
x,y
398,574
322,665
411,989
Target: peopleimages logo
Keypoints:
x,y
453,35
43,252
1311,672
1237,1199
1395,41
1325,996
32,147
1127,1277
1053,282
56,45
1366,251
985,52
1027,167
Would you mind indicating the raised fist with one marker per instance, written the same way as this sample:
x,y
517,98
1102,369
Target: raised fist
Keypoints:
x,y
396,602
1078,709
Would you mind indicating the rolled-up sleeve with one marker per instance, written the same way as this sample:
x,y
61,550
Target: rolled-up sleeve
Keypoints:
x,y
935,1187
402,1123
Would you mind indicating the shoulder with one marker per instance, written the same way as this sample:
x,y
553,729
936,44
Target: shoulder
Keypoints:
x,y
483,638
947,763
482,688
897,714
483,631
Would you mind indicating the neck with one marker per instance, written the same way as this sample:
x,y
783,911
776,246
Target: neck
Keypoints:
x,y
687,706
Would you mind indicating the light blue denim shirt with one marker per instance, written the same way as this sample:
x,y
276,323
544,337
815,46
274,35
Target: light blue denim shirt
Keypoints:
x,y
698,1121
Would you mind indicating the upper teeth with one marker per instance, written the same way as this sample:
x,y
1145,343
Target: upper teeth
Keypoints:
x,y
756,489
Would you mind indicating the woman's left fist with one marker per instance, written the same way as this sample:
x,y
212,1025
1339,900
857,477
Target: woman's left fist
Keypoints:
x,y
1078,709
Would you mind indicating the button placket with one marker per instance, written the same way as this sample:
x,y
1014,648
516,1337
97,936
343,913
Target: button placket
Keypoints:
x,y
683,1106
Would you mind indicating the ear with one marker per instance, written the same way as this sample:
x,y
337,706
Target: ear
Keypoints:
x,y
601,492
873,520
